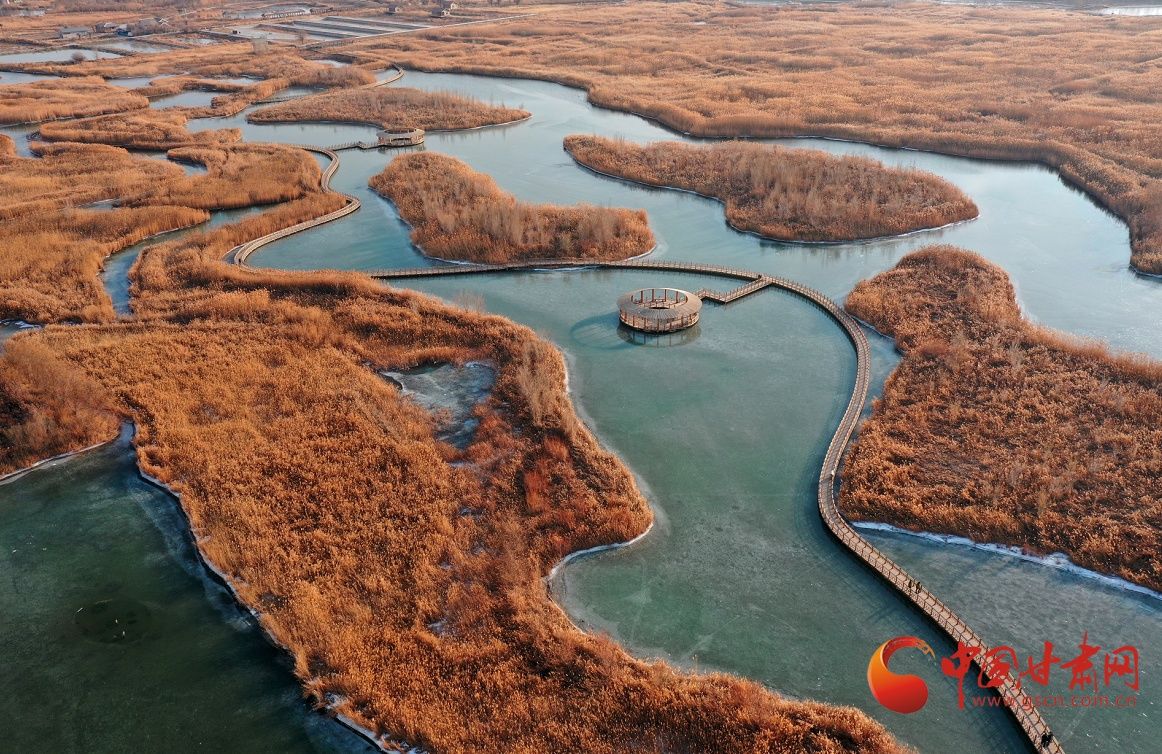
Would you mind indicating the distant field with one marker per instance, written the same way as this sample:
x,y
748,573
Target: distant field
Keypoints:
x,y
1076,91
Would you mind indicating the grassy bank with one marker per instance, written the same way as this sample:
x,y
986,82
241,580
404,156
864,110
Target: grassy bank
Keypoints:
x,y
950,78
457,213
786,194
1002,431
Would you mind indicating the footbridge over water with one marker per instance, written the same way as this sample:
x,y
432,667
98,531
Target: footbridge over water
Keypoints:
x,y
1014,698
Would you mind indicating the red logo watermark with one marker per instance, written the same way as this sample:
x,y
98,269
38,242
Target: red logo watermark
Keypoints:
x,y
1090,678
899,693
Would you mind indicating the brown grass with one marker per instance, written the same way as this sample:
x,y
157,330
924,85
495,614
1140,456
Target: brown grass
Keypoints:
x,y
76,174
405,575
49,270
170,85
390,107
786,194
53,252
47,407
1002,431
65,98
145,129
237,176
225,60
457,213
1074,91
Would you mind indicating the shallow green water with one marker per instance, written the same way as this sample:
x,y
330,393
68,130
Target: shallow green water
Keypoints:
x,y
183,669
726,429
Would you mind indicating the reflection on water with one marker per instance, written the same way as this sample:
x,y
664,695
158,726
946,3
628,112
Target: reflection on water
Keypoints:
x,y
658,340
727,432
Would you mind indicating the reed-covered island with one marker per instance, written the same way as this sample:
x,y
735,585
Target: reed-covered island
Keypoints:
x,y
1073,91
366,545
390,107
999,430
65,98
786,194
457,213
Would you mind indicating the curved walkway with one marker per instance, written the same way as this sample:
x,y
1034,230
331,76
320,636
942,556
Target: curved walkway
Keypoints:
x,y
1014,698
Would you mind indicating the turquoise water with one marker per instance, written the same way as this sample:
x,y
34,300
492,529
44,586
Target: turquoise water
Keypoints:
x,y
86,542
726,426
450,393
739,574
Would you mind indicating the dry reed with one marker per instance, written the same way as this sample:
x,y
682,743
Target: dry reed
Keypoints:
x,y
65,98
457,213
1002,431
787,194
390,107
951,78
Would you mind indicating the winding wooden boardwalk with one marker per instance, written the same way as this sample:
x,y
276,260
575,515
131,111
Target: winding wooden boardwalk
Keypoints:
x,y
1013,697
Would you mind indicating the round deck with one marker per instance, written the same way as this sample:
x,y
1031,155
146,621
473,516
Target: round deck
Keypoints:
x,y
659,310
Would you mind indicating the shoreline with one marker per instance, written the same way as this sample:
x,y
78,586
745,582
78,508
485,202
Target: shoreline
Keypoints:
x,y
12,476
368,123
1042,162
571,556
216,575
1058,561
761,236
581,261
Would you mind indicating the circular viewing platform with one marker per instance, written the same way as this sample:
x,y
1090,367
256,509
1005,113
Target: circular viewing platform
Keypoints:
x,y
659,310
407,137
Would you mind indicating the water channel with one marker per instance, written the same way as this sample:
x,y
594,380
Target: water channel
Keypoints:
x,y
726,428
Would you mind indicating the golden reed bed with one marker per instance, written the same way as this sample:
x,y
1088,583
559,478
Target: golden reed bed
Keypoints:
x,y
54,245
1075,91
786,194
404,575
390,107
457,213
1003,431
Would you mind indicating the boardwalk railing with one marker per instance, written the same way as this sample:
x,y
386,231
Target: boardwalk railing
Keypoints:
x,y
1013,697
239,254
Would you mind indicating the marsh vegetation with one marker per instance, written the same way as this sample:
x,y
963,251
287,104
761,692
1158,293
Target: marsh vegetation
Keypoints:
x,y
390,107
786,194
457,213
1073,91
1003,431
